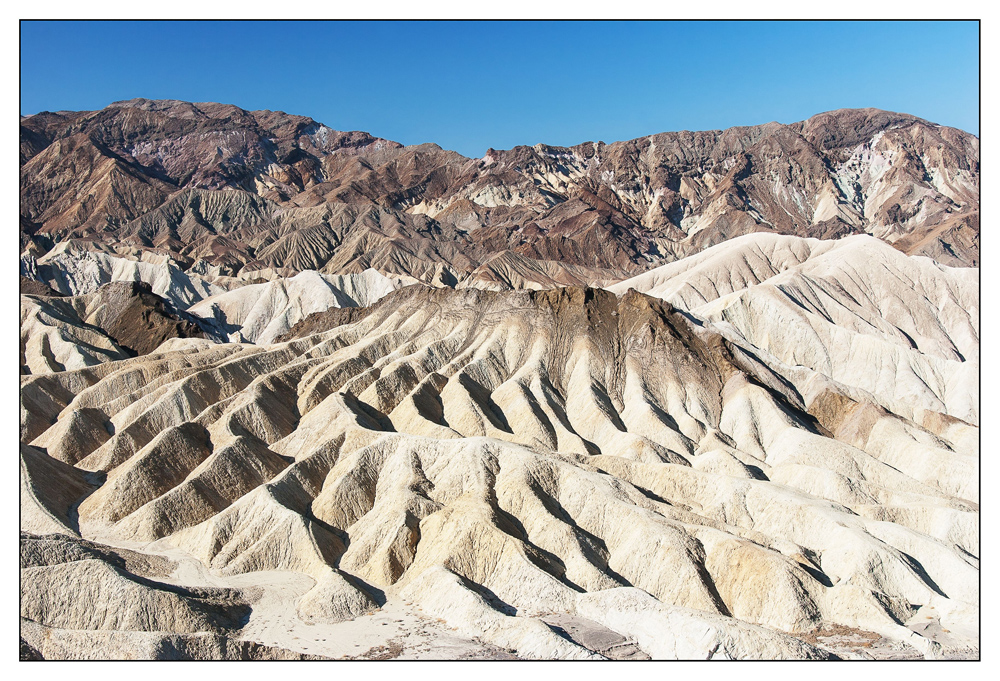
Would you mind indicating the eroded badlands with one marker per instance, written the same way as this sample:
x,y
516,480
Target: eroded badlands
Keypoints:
x,y
728,457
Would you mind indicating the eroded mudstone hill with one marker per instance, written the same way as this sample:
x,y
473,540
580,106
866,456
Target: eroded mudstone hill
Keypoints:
x,y
121,319
505,461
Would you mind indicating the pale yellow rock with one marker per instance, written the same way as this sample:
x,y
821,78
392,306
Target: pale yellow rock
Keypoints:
x,y
493,458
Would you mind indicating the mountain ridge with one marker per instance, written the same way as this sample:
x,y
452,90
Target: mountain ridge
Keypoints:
x,y
246,190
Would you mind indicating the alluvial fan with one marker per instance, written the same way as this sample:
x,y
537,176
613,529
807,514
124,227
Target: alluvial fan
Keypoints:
x,y
528,472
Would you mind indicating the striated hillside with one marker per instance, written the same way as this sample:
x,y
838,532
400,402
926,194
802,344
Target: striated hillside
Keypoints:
x,y
904,330
118,320
779,453
213,185
294,393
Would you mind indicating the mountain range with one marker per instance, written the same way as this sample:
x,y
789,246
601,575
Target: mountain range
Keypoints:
x,y
233,191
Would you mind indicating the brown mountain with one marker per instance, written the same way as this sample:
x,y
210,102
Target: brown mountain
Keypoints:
x,y
249,190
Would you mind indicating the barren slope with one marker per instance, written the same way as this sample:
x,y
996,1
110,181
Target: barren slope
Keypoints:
x,y
499,458
83,329
120,319
214,186
259,313
900,331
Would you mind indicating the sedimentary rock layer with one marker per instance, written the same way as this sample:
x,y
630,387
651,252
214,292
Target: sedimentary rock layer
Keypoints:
x,y
671,475
214,186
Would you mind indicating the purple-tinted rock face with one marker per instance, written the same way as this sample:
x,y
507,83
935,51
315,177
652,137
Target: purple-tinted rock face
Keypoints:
x,y
262,189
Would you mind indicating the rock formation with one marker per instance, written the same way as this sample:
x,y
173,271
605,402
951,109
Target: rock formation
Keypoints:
x,y
94,302
294,393
665,468
215,186
259,313
118,320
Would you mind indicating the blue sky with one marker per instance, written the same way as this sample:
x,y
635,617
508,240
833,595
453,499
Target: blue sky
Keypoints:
x,y
470,86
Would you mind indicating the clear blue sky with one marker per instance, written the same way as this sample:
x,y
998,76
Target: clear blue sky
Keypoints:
x,y
470,86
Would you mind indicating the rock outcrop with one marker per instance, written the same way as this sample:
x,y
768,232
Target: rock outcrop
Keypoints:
x,y
294,393
121,319
111,307
259,313
902,332
214,186
496,457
